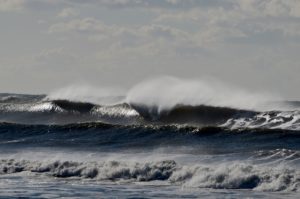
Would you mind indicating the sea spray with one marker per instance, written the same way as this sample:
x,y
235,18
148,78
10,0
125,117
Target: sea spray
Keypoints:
x,y
164,93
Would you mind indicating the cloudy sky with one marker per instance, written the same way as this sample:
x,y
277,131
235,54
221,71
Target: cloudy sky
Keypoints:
x,y
48,44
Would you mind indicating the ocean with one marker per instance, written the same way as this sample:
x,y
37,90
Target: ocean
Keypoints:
x,y
55,148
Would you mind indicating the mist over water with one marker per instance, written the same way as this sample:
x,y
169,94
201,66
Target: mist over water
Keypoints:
x,y
167,92
87,93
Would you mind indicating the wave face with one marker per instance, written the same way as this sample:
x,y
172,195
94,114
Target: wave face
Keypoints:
x,y
187,145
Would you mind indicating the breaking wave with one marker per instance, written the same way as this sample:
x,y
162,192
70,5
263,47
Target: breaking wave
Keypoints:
x,y
222,176
38,110
160,101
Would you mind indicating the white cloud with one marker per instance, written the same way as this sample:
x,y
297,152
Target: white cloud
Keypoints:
x,y
11,5
160,31
56,57
149,40
68,12
78,25
272,8
210,28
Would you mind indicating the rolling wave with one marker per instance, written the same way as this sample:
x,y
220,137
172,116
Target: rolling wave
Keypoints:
x,y
223,176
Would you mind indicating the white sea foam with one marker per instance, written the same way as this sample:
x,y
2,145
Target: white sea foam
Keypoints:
x,y
117,111
44,107
30,107
235,175
289,120
239,176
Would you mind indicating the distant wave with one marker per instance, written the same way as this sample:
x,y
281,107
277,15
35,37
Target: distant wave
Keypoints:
x,y
20,98
38,110
41,111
